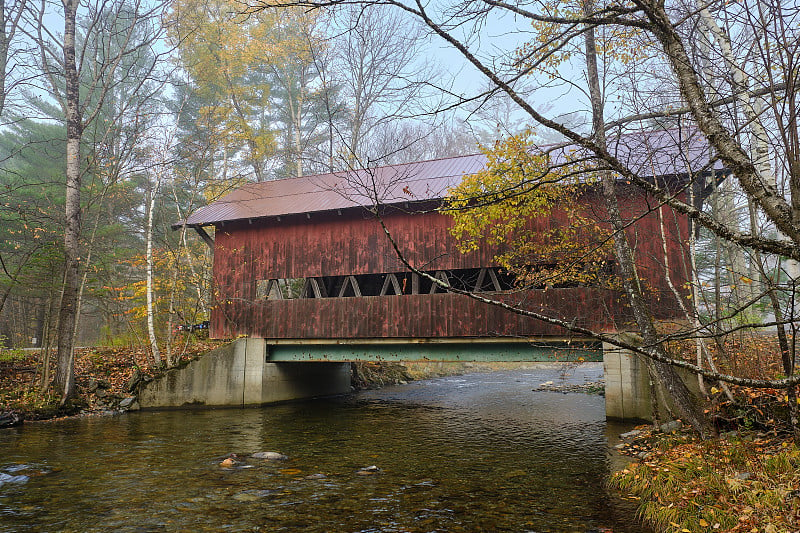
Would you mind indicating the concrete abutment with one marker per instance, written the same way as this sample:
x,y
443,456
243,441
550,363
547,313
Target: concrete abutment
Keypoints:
x,y
238,374
627,385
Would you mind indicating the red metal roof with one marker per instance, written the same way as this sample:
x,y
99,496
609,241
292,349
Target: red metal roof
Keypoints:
x,y
650,153
411,182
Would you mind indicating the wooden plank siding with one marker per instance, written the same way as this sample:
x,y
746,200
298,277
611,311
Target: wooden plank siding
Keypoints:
x,y
418,316
353,243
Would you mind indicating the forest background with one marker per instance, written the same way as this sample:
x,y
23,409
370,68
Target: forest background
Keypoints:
x,y
121,118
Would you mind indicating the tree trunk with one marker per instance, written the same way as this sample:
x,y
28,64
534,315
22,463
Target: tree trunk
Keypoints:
x,y
44,384
3,55
151,330
65,379
666,375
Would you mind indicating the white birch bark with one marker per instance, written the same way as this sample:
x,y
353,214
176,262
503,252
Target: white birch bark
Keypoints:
x,y
151,330
65,375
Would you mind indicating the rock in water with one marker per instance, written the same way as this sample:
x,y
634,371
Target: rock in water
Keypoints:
x,y
227,463
630,434
6,478
10,419
270,456
127,402
252,495
368,471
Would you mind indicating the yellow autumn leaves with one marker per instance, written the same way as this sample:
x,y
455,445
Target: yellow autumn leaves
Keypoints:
x,y
537,215
228,56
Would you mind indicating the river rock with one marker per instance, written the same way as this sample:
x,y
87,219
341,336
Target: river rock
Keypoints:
x,y
7,478
671,427
630,434
252,495
270,456
127,402
227,463
368,471
10,419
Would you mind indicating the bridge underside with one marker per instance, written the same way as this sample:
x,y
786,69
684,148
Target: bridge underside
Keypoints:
x,y
257,371
457,351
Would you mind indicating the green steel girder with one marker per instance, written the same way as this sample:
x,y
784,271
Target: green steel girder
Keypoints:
x,y
447,352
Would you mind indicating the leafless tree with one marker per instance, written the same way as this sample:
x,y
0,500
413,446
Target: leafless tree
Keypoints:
x,y
376,61
81,71
11,13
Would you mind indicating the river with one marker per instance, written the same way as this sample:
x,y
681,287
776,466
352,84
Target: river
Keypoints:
x,y
480,452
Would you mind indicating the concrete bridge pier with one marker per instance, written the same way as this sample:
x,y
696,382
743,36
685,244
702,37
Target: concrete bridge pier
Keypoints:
x,y
627,385
238,374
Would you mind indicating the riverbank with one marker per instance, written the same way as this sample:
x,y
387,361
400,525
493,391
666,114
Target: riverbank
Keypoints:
x,y
105,378
741,481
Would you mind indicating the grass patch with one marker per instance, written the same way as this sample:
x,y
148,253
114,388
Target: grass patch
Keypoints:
x,y
12,356
737,484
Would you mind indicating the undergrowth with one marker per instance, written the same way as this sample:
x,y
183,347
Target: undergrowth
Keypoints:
x,y
736,484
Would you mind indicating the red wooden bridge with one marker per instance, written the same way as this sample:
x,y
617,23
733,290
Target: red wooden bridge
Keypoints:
x,y
304,265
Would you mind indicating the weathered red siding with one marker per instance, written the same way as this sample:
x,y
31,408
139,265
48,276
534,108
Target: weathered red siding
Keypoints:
x,y
334,245
419,315
354,243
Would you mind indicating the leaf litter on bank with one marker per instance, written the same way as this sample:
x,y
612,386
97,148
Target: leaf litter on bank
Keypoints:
x,y
739,483
110,367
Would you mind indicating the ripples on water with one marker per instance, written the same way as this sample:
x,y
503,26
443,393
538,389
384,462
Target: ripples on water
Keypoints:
x,y
471,453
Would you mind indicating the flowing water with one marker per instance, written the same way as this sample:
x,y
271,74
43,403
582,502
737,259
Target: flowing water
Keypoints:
x,y
481,452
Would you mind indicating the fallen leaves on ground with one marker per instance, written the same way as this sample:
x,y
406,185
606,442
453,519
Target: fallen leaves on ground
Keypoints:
x,y
113,367
740,482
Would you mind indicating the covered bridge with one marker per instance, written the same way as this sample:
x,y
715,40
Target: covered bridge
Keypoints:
x,y
304,266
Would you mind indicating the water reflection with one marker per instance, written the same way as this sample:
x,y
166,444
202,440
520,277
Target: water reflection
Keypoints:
x,y
473,453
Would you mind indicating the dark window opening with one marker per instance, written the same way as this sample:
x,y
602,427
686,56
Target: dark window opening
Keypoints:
x,y
490,279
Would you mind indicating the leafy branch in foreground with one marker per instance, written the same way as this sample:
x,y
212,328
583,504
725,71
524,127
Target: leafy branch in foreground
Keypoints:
x,y
536,214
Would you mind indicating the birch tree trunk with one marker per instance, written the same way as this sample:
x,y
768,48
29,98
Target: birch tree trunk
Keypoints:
x,y
151,330
65,379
